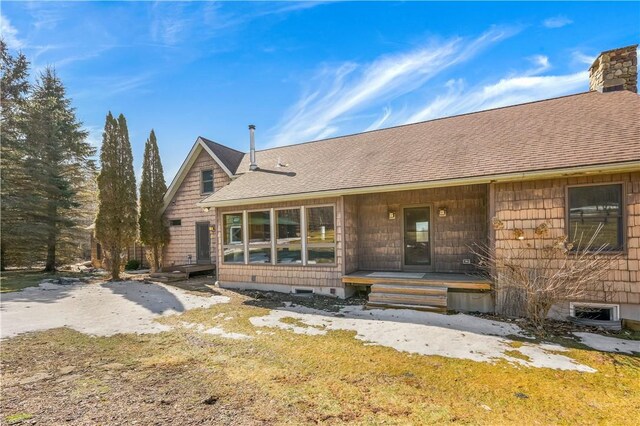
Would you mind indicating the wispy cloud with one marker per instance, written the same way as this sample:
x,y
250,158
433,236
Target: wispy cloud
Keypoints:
x,y
583,59
557,22
349,87
107,87
10,34
174,23
508,91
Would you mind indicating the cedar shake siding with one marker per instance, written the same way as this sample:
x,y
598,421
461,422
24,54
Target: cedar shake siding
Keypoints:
x,y
290,275
380,241
525,205
183,207
351,227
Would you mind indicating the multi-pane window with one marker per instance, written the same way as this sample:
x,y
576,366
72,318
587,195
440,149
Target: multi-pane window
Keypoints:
x,y
207,181
232,240
288,236
321,238
281,236
259,236
592,208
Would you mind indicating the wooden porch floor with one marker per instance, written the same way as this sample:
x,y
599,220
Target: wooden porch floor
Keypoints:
x,y
449,281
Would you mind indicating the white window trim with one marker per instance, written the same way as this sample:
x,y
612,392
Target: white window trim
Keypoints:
x,y
614,307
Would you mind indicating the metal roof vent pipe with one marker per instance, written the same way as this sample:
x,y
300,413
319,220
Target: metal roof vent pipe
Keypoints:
x,y
252,149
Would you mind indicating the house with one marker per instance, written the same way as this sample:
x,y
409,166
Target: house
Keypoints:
x,y
399,209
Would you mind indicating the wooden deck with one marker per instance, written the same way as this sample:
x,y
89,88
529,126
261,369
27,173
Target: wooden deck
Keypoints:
x,y
414,290
449,281
181,272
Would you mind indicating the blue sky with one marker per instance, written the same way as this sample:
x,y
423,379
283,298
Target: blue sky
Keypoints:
x,y
306,71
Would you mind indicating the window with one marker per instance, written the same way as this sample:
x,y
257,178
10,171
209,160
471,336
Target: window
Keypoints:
x,y
321,242
207,181
594,206
233,241
288,237
594,311
175,222
259,236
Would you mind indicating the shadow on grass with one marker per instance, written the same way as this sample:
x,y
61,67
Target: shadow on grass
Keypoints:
x,y
153,297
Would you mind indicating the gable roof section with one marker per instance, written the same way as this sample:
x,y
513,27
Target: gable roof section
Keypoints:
x,y
591,131
227,158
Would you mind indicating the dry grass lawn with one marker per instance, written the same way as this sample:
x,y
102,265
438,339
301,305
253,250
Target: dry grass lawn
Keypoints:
x,y
277,377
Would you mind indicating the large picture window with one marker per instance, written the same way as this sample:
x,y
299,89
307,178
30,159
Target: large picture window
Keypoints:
x,y
288,236
592,206
321,238
233,241
259,237
284,236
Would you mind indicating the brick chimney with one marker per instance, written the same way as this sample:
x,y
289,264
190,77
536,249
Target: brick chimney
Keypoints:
x,y
615,70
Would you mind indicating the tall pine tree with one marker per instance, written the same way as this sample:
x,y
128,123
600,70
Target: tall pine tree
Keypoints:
x,y
117,218
153,231
14,179
60,164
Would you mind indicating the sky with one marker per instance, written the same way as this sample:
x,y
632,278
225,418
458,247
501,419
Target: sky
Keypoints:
x,y
304,71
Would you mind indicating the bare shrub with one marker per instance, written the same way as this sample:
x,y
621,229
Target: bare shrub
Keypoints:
x,y
532,271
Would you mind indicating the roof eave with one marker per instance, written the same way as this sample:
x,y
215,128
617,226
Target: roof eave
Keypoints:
x,y
497,178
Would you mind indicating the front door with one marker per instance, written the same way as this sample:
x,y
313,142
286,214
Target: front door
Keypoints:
x,y
203,243
417,238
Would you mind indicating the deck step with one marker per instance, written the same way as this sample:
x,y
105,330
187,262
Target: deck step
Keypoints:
x,y
409,289
167,277
392,295
425,308
408,299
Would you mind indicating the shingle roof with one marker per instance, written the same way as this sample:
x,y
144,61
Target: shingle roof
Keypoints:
x,y
573,131
230,157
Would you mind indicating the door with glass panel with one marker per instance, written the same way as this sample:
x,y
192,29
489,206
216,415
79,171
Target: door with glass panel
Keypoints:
x,y
417,238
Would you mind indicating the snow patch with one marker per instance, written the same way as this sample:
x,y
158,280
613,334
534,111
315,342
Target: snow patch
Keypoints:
x,y
425,333
97,309
609,344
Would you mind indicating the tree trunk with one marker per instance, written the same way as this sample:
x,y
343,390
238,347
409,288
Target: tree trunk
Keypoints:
x,y
2,259
156,260
50,265
115,263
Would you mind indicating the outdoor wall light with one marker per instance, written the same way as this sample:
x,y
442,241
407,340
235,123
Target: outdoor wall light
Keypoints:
x,y
206,209
392,214
442,211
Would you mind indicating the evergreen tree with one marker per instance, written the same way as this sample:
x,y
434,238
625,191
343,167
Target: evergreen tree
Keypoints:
x,y
116,221
60,167
153,230
14,182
